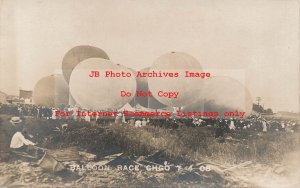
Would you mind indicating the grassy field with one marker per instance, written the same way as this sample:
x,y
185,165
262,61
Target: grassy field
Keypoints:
x,y
183,146
186,143
199,144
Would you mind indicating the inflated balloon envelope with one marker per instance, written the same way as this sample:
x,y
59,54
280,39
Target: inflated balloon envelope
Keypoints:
x,y
221,94
100,93
187,87
76,55
51,91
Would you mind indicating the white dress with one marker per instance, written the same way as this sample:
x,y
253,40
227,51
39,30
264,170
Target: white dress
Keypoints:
x,y
87,118
265,128
53,114
231,126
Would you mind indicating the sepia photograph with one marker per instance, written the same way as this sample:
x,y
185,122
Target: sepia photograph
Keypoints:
x,y
138,93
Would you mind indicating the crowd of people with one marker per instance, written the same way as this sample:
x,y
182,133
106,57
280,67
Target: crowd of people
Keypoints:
x,y
20,112
254,122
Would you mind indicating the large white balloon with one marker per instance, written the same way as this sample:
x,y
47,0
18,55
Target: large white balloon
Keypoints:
x,y
132,103
100,93
186,86
222,94
77,54
51,91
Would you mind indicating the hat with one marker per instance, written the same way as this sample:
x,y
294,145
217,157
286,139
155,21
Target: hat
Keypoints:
x,y
64,126
15,120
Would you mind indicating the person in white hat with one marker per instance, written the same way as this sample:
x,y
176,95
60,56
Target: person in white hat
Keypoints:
x,y
17,122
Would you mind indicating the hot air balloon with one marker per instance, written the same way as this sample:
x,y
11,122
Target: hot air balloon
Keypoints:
x,y
175,62
78,54
75,56
222,94
100,93
146,101
51,91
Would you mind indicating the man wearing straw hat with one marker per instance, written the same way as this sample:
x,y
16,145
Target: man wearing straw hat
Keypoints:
x,y
18,140
17,122
7,130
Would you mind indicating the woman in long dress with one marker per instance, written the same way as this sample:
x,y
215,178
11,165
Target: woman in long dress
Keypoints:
x,y
232,126
265,128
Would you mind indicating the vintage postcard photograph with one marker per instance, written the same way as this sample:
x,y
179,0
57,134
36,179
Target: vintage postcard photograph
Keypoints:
x,y
142,94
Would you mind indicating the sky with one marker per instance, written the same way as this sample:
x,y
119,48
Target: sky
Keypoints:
x,y
259,38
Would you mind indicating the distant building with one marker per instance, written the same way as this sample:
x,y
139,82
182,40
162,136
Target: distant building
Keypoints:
x,y
3,97
25,96
12,99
